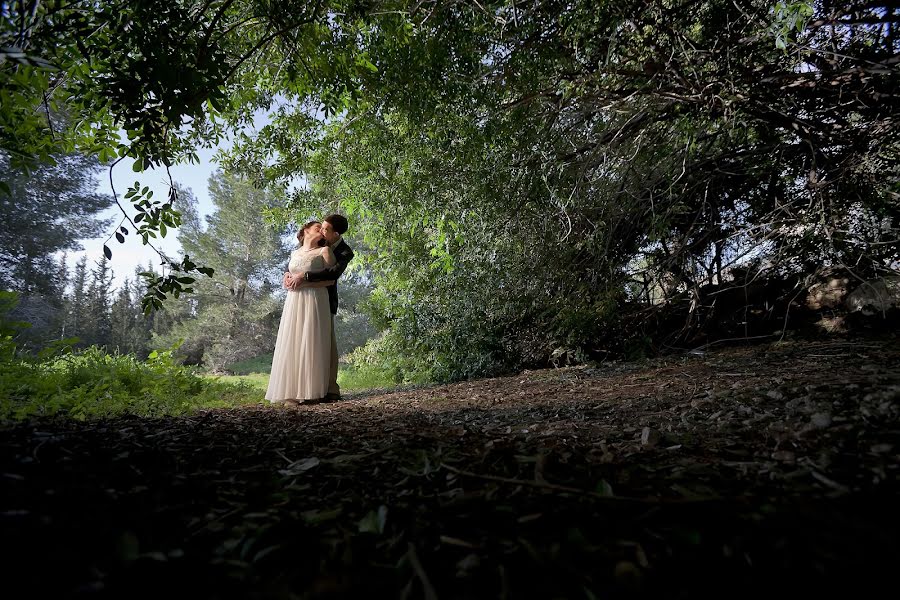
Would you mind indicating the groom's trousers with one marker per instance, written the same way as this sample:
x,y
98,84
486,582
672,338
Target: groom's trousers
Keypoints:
x,y
332,382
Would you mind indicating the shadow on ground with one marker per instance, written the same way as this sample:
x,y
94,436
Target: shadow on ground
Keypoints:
x,y
730,474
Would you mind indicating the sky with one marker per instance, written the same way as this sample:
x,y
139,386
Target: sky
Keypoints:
x,y
133,253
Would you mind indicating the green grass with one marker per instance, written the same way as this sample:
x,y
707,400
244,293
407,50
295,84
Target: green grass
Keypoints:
x,y
350,378
90,383
255,381
252,366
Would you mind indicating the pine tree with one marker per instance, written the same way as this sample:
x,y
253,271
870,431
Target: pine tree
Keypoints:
x,y
232,316
244,249
45,212
99,302
60,280
129,331
74,307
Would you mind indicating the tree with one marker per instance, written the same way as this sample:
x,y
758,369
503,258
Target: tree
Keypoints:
x,y
352,326
146,67
129,326
233,315
99,299
60,279
512,166
47,212
237,239
520,171
75,307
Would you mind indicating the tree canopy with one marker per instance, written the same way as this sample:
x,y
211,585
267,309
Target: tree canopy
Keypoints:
x,y
530,178
44,214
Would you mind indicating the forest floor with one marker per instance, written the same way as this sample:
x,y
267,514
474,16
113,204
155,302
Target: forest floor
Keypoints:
x,y
734,473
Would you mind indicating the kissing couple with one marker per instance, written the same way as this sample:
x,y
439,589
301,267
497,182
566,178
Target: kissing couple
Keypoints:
x,y
305,364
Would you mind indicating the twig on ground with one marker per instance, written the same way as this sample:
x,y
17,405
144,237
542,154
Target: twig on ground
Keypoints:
x,y
571,490
430,594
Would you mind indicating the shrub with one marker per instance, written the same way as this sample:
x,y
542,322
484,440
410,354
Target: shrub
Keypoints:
x,y
91,383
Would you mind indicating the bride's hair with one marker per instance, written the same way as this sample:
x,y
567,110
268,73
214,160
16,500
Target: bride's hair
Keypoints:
x,y
303,229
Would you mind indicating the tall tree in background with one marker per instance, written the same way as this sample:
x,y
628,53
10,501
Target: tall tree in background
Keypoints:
x,y
60,280
96,322
133,329
232,316
236,238
75,306
47,211
129,326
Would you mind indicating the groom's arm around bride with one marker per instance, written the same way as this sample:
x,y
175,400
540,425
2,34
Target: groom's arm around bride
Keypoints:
x,y
333,228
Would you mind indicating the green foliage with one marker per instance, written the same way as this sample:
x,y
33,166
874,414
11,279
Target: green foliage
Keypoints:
x,y
44,213
355,378
351,378
145,67
256,365
388,359
93,384
788,18
529,179
234,315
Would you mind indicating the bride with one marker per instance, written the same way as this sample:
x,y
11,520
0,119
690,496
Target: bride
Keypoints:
x,y
301,364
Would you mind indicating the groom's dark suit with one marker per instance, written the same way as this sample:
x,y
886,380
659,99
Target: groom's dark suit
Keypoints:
x,y
343,254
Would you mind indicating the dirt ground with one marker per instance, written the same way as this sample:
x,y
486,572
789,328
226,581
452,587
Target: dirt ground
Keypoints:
x,y
767,470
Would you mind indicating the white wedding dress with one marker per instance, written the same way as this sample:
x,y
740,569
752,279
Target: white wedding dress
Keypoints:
x,y
302,362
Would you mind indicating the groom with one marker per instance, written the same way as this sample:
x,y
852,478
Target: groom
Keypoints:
x,y
333,228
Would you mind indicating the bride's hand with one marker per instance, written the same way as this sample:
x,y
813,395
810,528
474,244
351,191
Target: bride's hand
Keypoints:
x,y
291,281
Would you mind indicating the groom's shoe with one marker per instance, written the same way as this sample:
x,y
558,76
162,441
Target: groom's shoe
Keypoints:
x,y
331,398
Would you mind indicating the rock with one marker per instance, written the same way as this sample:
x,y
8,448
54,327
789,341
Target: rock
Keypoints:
x,y
875,296
774,395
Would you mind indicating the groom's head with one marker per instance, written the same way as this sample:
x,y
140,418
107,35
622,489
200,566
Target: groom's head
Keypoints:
x,y
333,227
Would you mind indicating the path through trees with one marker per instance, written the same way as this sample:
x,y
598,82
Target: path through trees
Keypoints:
x,y
715,475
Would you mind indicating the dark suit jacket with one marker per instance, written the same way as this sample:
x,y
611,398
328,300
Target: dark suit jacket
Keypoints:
x,y
343,255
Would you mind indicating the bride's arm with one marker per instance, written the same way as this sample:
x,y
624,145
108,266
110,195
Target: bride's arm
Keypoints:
x,y
328,256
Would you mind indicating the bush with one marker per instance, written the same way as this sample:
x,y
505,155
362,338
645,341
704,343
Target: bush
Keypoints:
x,y
91,383
382,362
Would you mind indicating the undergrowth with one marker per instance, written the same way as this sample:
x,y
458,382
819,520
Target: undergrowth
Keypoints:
x,y
91,383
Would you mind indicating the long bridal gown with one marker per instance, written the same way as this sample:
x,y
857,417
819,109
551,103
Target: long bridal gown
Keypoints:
x,y
302,361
